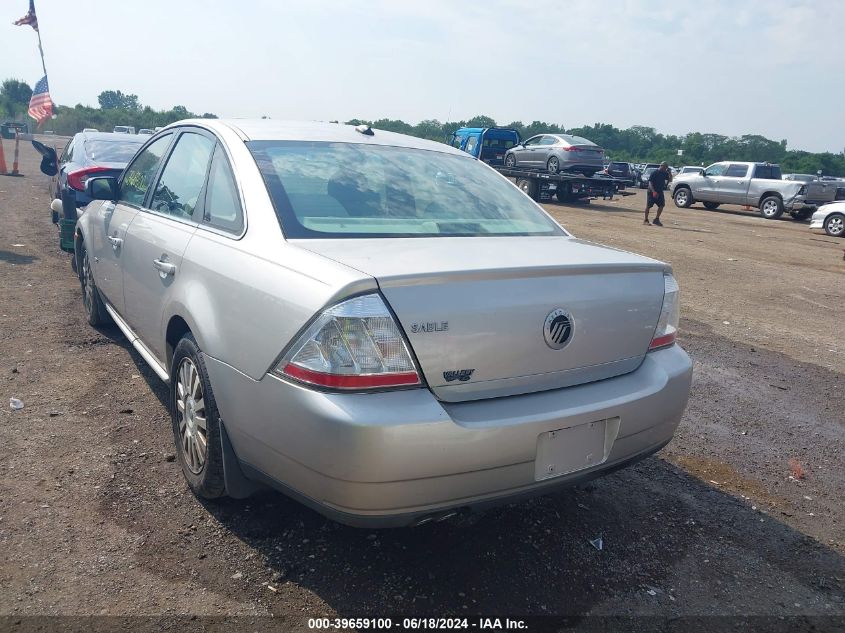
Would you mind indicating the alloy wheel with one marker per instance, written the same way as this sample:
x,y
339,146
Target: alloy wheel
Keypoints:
x,y
836,226
87,283
770,208
191,416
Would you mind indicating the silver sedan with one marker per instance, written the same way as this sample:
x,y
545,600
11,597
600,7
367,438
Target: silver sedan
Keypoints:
x,y
557,152
377,325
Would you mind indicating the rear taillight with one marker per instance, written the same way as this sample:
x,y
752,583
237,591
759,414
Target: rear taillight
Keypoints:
x,y
77,179
573,149
667,324
353,345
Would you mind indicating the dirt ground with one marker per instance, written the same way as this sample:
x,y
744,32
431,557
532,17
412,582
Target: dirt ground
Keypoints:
x,y
742,514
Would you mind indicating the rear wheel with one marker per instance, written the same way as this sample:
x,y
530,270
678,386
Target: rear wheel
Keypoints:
x,y
564,192
771,207
510,161
553,164
683,198
95,309
711,205
834,225
196,422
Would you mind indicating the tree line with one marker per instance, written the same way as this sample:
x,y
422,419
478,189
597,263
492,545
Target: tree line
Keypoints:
x,y
634,144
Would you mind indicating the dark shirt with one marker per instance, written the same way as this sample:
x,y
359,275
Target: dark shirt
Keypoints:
x,y
658,179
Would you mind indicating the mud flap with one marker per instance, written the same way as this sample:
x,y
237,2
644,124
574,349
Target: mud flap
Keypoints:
x,y
237,485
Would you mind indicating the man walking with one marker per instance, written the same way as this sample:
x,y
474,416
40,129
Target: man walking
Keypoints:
x,y
656,184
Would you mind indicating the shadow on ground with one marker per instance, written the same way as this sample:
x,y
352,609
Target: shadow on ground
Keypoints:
x,y
663,532
11,257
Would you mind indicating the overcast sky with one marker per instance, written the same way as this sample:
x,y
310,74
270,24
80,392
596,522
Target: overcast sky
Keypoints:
x,y
770,67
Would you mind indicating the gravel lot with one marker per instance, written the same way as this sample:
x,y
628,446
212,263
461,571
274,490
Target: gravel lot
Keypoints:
x,y
742,514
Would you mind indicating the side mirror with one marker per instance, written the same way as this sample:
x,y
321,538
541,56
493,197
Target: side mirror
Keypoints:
x,y
102,188
49,159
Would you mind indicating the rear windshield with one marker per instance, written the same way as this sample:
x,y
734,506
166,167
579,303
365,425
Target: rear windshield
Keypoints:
x,y
771,172
575,140
499,143
116,151
346,190
619,165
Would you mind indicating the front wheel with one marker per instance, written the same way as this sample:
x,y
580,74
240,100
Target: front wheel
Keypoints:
x,y
528,186
771,207
196,422
510,161
553,164
95,309
683,198
711,205
834,225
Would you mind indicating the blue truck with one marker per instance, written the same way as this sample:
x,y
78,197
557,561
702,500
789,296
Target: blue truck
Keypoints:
x,y
487,144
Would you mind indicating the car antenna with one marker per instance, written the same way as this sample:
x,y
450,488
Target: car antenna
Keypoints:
x,y
366,130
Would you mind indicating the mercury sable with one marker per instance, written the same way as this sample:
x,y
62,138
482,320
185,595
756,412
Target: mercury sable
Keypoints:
x,y
377,325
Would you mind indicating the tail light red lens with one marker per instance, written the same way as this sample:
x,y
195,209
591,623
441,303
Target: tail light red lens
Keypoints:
x,y
354,345
667,324
76,179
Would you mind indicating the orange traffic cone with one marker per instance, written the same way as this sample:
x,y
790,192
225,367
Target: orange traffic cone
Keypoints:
x,y
2,159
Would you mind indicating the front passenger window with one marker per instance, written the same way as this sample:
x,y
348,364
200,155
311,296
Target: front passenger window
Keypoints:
x,y
181,181
715,170
137,177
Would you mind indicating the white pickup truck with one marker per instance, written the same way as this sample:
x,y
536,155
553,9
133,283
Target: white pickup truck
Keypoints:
x,y
754,184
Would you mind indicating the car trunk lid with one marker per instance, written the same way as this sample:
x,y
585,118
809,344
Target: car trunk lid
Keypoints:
x,y
475,309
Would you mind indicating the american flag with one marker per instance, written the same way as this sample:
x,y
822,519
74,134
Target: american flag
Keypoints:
x,y
40,106
30,17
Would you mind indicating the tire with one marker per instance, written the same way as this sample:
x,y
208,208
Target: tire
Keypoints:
x,y
711,206
95,309
528,186
564,193
683,198
800,216
510,161
771,207
834,225
199,450
642,185
553,164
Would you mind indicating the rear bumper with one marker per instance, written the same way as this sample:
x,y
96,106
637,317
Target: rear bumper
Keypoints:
x,y
397,458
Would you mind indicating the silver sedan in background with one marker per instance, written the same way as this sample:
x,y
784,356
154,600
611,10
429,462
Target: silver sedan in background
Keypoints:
x,y
377,325
557,152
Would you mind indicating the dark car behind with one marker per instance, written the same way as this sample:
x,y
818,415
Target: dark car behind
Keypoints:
x,y
626,171
91,154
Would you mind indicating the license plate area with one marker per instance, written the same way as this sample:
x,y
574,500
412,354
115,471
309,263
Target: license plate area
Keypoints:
x,y
575,448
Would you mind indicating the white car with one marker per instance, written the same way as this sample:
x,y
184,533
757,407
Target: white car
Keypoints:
x,y
830,218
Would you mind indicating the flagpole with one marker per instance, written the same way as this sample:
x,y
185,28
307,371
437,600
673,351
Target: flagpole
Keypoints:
x,y
41,50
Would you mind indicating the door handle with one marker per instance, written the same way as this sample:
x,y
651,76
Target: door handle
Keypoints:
x,y
163,267
116,242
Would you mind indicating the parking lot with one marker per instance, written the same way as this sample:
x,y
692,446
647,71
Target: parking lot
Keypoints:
x,y
741,514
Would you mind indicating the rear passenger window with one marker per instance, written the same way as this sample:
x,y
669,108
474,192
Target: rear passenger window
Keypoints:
x,y
222,205
179,187
138,176
736,171
770,172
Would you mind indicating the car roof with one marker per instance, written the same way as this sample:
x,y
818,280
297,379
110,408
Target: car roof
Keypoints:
x,y
110,136
273,130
